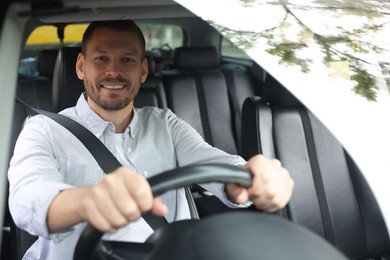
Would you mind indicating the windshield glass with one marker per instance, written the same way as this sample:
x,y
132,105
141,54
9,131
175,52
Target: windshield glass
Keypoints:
x,y
350,49
334,56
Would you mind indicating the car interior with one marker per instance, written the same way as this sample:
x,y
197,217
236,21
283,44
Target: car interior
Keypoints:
x,y
237,107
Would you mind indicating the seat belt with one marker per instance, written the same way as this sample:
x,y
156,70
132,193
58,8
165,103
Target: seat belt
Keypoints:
x,y
106,160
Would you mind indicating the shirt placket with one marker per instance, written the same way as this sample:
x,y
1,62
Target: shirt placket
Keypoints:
x,y
128,144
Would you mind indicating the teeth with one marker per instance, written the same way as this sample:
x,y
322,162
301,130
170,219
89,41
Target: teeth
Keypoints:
x,y
113,87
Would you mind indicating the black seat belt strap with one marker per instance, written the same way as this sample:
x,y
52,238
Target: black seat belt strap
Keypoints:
x,y
106,160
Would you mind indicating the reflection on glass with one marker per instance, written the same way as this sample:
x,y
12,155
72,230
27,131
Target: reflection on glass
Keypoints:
x,y
348,37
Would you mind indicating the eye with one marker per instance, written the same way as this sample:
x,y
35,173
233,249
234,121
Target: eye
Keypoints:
x,y
128,60
101,58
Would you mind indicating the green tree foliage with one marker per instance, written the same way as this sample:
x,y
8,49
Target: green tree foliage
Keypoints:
x,y
345,45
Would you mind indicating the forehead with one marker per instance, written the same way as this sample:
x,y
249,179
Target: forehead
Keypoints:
x,y
110,39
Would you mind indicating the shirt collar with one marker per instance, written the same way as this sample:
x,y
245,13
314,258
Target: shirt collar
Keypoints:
x,y
92,120
96,124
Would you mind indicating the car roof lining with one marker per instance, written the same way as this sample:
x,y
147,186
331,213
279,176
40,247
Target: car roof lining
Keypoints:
x,y
100,10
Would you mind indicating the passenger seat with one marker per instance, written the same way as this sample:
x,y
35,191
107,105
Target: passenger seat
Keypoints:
x,y
331,196
198,92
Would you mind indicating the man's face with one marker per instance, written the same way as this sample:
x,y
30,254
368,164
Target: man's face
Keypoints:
x,y
112,69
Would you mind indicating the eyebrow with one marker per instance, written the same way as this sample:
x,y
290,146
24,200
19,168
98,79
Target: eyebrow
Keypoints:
x,y
106,52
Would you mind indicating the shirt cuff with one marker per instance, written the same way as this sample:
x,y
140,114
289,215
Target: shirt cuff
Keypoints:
x,y
218,189
40,201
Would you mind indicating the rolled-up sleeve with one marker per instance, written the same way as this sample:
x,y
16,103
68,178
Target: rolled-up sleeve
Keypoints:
x,y
34,178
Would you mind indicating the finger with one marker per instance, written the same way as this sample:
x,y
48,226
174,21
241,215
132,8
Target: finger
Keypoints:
x,y
236,193
94,214
284,190
287,191
121,194
126,204
271,188
106,206
159,208
131,193
279,194
140,191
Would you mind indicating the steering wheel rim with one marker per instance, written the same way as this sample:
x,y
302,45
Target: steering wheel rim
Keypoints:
x,y
169,180
264,236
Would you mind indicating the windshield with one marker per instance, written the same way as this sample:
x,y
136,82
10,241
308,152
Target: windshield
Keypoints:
x,y
334,56
342,42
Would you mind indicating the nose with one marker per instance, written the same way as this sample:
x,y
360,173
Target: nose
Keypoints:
x,y
113,69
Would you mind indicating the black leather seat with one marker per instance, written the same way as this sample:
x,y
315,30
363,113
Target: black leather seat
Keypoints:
x,y
209,97
331,196
198,92
36,91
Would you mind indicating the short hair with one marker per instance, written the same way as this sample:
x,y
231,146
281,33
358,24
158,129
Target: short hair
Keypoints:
x,y
116,25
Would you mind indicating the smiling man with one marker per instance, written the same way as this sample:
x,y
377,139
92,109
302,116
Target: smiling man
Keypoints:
x,y
112,75
56,186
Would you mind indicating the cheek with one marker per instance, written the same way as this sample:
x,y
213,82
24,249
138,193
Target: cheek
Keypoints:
x,y
88,81
91,75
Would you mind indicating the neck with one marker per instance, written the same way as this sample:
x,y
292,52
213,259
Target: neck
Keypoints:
x,y
120,118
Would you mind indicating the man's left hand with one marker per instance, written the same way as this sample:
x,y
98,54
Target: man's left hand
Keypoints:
x,y
271,187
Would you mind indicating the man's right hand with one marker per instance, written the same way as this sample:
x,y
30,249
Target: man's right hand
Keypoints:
x,y
120,198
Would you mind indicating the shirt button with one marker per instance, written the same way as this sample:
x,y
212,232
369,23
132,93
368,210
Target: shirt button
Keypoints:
x,y
145,173
128,149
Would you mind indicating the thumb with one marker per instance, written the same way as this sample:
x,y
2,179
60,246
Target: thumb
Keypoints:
x,y
236,193
159,208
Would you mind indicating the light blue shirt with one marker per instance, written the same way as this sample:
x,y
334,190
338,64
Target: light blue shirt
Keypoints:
x,y
48,159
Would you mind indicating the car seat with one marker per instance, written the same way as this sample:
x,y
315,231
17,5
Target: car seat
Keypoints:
x,y
331,196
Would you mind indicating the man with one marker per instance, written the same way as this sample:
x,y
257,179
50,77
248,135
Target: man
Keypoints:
x,y
56,186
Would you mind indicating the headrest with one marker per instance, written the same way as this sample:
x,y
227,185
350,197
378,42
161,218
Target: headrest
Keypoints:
x,y
67,87
195,58
277,95
45,62
151,62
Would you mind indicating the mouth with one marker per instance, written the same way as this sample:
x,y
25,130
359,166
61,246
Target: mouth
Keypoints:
x,y
114,87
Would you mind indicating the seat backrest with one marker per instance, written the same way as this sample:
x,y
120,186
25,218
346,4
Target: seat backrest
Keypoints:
x,y
46,60
67,87
330,195
152,91
240,85
35,90
198,93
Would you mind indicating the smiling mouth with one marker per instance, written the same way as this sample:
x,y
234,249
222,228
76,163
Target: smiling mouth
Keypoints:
x,y
113,86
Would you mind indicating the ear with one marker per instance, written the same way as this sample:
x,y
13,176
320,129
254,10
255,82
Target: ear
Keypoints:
x,y
144,70
80,66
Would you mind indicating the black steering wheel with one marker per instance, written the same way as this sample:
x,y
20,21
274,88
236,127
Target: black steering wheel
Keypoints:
x,y
233,235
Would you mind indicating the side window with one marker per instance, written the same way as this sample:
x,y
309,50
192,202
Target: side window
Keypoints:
x,y
162,36
161,40
46,37
157,36
230,50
